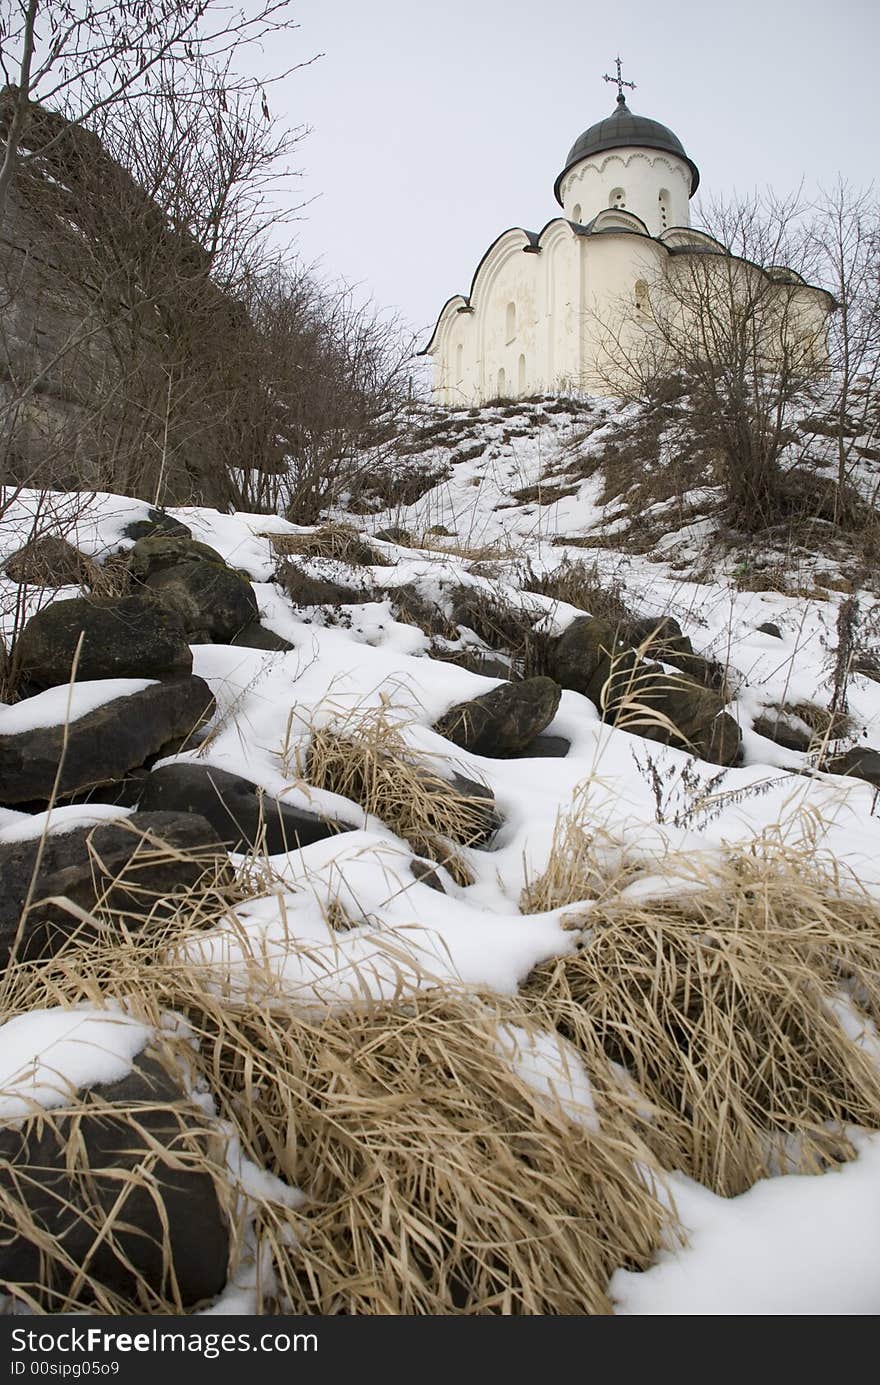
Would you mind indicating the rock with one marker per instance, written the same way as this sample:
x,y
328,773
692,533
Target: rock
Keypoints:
x,y
581,657
239,811
591,658
696,713
545,748
475,661
862,762
305,590
770,628
486,820
212,602
103,745
160,551
50,562
782,732
157,522
256,636
662,639
124,637
108,1180
504,721
425,872
396,533
117,863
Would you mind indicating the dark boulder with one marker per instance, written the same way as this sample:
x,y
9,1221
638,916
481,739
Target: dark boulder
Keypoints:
x,y
782,731
239,811
161,551
662,638
641,697
123,637
545,748
256,636
213,603
483,821
50,562
861,762
426,874
115,1184
157,522
133,870
104,745
504,721
770,628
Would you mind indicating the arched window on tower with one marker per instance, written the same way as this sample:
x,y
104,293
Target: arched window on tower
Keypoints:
x,y
641,295
459,363
576,214
511,321
663,200
521,375
617,198
502,383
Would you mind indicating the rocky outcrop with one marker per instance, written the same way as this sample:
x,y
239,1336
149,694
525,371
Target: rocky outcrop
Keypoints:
x,y
116,1184
504,721
239,811
123,866
123,637
104,745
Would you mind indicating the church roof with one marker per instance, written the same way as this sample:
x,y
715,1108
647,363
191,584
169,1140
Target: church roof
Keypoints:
x,y
621,130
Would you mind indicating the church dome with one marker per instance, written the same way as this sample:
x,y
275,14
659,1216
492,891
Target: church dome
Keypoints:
x,y
621,130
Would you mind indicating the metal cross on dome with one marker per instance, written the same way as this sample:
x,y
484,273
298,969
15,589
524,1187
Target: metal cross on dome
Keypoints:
x,y
620,82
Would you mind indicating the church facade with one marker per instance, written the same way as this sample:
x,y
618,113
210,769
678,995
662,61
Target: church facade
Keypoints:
x,y
537,314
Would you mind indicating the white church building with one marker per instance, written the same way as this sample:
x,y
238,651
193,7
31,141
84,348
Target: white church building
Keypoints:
x,y
532,321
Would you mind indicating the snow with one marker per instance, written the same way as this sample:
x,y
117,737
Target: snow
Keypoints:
x,y
347,919
553,1068
67,703
793,1245
46,1056
24,827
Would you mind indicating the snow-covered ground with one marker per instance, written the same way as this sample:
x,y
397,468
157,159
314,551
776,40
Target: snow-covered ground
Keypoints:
x,y
792,1244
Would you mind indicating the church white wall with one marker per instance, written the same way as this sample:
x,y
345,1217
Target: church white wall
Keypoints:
x,y
654,186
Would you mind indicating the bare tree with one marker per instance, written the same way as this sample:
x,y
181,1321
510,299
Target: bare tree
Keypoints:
x,y
336,372
735,320
845,236
83,57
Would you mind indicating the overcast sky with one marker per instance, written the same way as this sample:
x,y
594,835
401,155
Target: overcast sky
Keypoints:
x,y
437,126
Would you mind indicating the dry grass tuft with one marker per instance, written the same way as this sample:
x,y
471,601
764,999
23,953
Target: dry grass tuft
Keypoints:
x,y
729,1006
437,1180
583,586
340,541
369,761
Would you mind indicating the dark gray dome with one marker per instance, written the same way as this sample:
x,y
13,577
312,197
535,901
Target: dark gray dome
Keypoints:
x,y
621,129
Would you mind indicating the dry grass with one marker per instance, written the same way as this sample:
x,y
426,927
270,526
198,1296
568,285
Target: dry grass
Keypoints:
x,y
340,541
368,760
723,1006
581,585
436,1179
